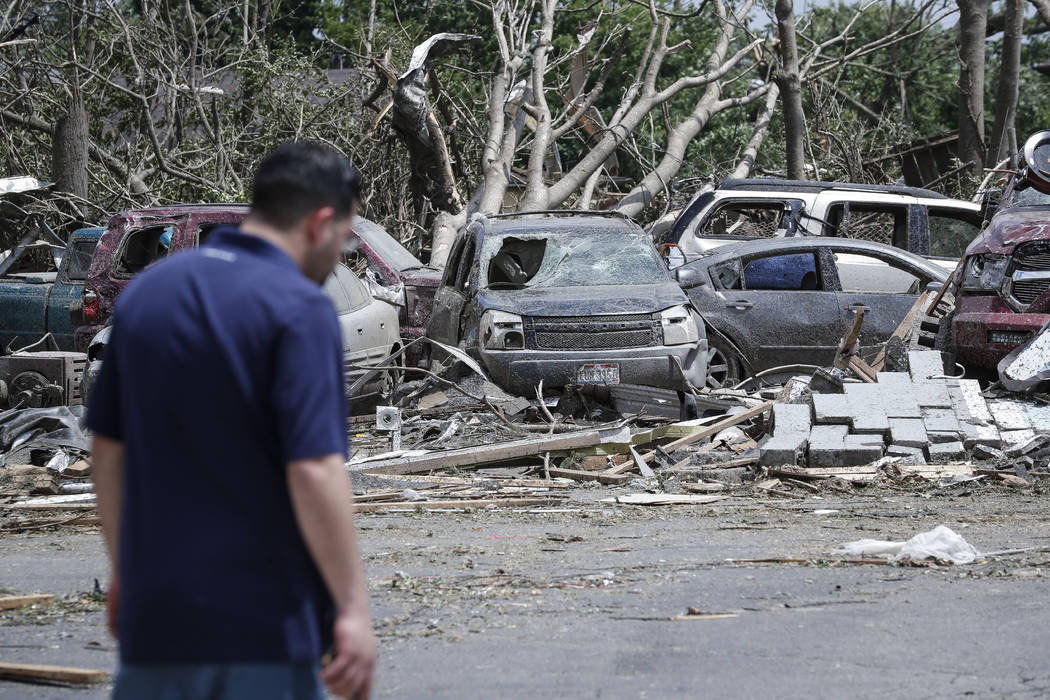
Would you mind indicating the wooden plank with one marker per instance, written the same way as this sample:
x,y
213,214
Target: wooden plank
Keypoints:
x,y
714,429
663,499
51,674
932,308
13,602
50,506
468,457
581,475
845,349
862,370
454,503
475,480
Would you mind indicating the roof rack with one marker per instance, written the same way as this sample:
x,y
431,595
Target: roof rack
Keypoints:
x,y
562,212
774,183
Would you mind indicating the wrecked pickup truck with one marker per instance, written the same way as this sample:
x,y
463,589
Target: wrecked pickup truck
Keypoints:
x,y
1002,297
39,283
567,298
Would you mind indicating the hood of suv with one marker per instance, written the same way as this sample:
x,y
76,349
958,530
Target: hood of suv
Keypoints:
x,y
1010,227
584,301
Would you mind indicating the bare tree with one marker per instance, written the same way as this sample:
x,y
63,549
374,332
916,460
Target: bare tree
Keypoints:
x,y
1003,142
791,90
973,16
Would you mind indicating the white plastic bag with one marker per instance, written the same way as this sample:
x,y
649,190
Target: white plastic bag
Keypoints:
x,y
941,543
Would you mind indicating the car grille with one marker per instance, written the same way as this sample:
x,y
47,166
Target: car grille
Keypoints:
x,y
1032,256
592,332
1027,291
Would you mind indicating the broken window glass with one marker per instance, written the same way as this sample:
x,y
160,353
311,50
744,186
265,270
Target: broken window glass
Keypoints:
x,y
791,272
80,260
591,258
866,273
745,220
728,275
142,247
951,232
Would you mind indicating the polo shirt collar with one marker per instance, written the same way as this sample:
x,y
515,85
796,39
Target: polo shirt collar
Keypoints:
x,y
232,238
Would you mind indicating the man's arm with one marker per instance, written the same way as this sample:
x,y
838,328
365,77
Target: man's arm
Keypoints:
x,y
107,471
320,494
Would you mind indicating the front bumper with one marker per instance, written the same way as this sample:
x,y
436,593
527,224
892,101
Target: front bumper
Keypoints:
x,y
985,329
520,371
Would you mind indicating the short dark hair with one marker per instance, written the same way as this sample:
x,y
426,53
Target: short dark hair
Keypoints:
x,y
299,177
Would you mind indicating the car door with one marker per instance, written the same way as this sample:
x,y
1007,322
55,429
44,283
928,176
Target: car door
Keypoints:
x,y
885,287
371,321
780,308
444,324
67,289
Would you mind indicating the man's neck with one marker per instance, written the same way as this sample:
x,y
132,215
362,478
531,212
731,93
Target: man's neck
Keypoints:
x,y
289,242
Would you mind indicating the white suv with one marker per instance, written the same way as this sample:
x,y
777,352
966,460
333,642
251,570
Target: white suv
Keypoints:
x,y
920,221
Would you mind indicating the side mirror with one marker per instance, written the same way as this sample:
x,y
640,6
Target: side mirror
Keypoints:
x,y
688,277
934,287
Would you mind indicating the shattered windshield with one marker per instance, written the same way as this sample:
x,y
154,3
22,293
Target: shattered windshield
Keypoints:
x,y
1028,197
598,258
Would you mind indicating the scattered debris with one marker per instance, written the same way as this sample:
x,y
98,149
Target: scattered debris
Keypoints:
x,y
36,673
940,544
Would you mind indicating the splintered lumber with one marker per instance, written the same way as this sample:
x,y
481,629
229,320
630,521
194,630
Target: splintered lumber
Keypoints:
x,y
582,475
902,330
481,454
846,345
862,370
36,673
478,480
13,602
663,499
699,434
454,503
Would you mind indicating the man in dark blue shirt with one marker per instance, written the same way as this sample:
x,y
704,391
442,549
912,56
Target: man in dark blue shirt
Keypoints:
x,y
220,435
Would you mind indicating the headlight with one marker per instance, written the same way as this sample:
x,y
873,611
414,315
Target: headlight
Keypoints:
x,y
984,272
501,331
679,326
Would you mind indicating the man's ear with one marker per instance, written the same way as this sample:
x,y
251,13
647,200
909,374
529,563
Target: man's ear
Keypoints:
x,y
316,222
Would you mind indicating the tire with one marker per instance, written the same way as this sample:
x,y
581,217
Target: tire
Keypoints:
x,y
723,366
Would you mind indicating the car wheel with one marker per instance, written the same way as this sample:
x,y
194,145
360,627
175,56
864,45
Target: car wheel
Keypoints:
x,y
723,366
392,379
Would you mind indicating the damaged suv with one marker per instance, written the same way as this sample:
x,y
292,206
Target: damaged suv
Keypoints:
x,y
1003,295
567,298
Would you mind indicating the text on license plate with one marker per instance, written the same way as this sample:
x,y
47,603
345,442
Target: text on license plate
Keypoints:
x,y
605,373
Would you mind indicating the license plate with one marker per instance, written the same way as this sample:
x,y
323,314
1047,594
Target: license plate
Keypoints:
x,y
605,373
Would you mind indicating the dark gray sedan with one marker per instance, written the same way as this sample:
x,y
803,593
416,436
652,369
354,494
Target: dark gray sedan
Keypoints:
x,y
772,303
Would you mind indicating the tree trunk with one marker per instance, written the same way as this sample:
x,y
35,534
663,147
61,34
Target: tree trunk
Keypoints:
x,y
747,159
973,17
791,90
69,149
1006,90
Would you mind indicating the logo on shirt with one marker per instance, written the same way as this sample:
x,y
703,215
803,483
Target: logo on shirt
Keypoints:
x,y
220,254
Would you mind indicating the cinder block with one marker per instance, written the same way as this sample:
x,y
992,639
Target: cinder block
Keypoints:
x,y
947,452
1039,416
987,453
939,437
1009,414
933,394
894,380
908,431
831,408
827,445
911,455
1015,439
867,414
898,395
971,409
923,364
863,449
791,419
780,450
940,420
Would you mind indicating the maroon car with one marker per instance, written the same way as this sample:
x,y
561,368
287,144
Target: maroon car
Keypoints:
x,y
1003,295
134,239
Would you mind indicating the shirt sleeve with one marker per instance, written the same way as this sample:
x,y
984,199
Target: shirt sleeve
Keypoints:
x,y
104,415
308,390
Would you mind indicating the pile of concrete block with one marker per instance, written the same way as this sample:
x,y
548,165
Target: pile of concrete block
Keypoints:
x,y
920,415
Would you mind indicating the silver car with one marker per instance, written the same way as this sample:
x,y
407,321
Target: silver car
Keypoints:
x,y
369,326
